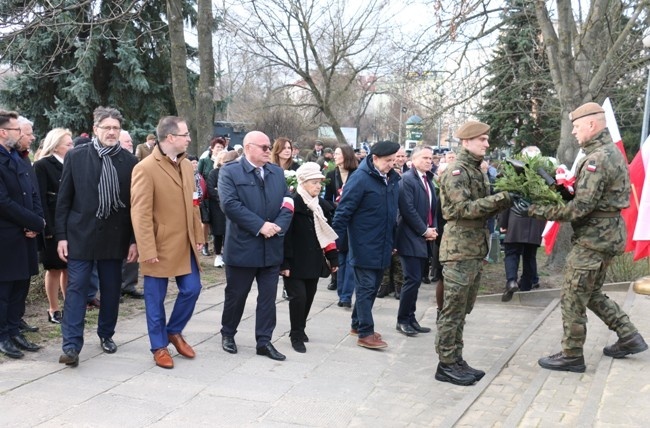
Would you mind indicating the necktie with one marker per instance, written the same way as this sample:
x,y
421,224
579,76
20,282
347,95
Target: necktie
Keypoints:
x,y
429,213
260,173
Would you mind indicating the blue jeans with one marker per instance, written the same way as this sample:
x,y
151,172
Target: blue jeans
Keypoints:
x,y
74,308
345,278
366,284
155,290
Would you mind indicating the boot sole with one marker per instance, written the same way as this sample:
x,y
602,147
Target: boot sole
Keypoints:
x,y
443,378
624,353
573,369
363,345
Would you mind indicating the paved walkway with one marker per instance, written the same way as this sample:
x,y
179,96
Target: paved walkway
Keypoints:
x,y
337,383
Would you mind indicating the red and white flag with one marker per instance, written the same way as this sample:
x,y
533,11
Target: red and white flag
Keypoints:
x,y
639,211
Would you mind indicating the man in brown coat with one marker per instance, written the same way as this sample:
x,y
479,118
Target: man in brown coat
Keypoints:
x,y
168,232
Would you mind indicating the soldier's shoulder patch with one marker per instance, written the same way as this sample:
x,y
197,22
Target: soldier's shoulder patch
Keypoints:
x,y
455,172
591,167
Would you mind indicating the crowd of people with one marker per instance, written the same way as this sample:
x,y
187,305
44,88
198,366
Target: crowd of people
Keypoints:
x,y
377,222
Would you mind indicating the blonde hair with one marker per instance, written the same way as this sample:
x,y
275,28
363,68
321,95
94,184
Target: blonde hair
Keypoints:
x,y
52,140
225,157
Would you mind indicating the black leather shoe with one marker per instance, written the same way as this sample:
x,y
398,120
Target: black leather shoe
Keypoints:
x,y
23,326
8,348
22,343
564,364
134,294
70,357
228,344
453,373
511,288
108,345
344,304
478,374
269,350
417,327
332,285
406,329
55,318
632,344
298,345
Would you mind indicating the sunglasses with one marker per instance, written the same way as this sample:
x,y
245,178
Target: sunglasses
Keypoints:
x,y
264,147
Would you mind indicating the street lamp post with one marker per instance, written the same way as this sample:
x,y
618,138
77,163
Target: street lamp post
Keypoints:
x,y
646,110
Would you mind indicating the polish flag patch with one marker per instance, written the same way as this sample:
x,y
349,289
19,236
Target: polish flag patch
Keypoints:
x,y
455,172
591,168
287,203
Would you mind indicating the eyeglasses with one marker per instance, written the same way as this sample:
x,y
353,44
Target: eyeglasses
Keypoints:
x,y
187,134
264,147
11,129
110,128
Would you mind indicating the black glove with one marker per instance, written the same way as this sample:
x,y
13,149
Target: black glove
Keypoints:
x,y
514,196
520,207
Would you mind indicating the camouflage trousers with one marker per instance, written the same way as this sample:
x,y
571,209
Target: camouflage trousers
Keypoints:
x,y
462,280
583,281
393,275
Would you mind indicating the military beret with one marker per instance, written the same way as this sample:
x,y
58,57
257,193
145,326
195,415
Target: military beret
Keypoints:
x,y
384,148
586,109
471,129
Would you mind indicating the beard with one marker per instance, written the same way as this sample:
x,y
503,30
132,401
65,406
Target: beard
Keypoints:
x,y
12,144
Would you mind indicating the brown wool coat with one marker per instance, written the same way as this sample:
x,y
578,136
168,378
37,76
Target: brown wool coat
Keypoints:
x,y
166,223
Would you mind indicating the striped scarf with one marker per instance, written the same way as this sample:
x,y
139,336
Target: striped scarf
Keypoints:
x,y
109,184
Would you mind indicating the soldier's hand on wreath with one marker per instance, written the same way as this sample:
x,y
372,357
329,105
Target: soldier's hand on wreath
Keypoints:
x,y
514,196
520,207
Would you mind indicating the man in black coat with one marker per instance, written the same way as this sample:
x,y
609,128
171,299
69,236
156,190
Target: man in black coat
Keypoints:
x,y
93,224
21,219
415,230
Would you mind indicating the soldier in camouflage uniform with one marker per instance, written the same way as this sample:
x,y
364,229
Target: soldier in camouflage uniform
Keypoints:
x,y
393,278
602,189
466,205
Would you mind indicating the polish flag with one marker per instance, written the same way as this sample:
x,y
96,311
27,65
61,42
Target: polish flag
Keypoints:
x,y
639,211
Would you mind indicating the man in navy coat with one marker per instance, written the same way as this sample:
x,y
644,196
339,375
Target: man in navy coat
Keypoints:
x,y
415,229
255,199
21,219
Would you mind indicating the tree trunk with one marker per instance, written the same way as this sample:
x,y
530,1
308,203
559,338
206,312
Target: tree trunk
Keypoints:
x,y
205,91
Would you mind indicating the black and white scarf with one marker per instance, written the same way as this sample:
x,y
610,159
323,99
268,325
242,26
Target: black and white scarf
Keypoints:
x,y
109,184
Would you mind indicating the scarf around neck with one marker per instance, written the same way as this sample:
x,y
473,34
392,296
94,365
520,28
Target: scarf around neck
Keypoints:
x,y
324,232
109,184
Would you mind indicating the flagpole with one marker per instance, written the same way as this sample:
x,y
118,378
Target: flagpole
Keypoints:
x,y
646,110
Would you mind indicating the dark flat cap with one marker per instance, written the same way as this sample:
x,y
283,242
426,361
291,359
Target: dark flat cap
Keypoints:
x,y
471,129
328,150
384,148
586,109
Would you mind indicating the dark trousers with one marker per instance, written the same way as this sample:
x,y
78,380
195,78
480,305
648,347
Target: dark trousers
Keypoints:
x,y
239,281
74,309
412,267
301,294
366,284
528,255
129,275
155,290
218,243
12,306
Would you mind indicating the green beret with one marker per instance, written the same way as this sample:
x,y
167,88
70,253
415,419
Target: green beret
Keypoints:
x,y
471,129
586,109
384,148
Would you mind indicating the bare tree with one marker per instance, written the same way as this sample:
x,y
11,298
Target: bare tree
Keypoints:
x,y
205,92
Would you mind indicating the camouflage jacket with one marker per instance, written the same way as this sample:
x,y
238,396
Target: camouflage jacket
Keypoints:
x,y
602,189
466,205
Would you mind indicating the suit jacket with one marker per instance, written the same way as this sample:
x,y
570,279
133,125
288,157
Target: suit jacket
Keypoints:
x,y
521,230
414,206
166,223
142,150
248,202
20,209
48,173
91,238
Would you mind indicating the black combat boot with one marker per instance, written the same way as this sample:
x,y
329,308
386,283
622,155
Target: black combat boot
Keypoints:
x,y
632,344
562,363
453,373
478,374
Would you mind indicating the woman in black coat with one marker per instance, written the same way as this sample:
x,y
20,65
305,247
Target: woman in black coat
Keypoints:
x,y
48,171
217,217
308,239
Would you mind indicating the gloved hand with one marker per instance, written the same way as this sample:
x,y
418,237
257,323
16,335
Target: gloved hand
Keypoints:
x,y
520,207
514,196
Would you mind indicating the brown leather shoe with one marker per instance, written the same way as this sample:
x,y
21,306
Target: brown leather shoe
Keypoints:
x,y
163,359
372,342
181,345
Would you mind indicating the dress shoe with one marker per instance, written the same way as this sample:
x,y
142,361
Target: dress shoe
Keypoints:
x,y
417,327
70,357
511,288
22,343
478,374
55,317
562,363
23,326
108,345
228,344
332,285
342,304
355,332
93,304
298,345
8,348
163,359
181,345
632,344
453,373
269,350
205,250
426,280
372,342
406,329
134,294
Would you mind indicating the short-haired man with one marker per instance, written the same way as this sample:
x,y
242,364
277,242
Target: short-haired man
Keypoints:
x,y
367,215
21,220
602,189
93,224
316,153
162,194
400,160
143,150
466,205
126,142
254,197
416,228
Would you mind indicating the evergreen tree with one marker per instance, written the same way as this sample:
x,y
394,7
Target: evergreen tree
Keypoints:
x,y
520,104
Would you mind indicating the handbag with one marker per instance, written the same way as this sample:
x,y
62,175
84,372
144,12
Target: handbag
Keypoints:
x,y
325,269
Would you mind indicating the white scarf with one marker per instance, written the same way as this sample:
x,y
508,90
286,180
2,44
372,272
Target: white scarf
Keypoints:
x,y
324,232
